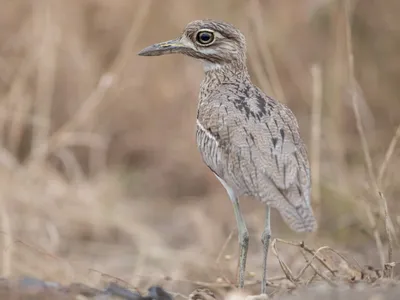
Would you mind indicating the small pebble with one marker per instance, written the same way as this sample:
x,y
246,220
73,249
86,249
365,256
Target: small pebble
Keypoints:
x,y
219,280
252,274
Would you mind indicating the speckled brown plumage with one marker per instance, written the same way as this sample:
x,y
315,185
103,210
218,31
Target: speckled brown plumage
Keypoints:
x,y
249,140
252,142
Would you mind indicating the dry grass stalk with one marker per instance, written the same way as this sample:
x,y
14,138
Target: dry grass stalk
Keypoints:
x,y
47,40
66,135
16,106
218,260
388,155
7,251
264,54
315,149
373,180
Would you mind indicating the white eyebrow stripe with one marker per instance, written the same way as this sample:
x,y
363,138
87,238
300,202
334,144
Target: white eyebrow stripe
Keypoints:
x,y
218,35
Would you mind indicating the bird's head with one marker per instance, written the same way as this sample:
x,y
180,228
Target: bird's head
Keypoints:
x,y
216,43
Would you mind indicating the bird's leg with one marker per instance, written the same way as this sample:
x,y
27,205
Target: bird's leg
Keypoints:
x,y
265,238
242,231
243,239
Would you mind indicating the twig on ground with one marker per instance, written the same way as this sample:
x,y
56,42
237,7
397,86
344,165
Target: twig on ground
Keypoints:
x,y
320,274
336,277
309,250
286,270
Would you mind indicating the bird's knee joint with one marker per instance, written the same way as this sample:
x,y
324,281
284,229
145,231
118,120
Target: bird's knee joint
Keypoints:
x,y
244,238
266,237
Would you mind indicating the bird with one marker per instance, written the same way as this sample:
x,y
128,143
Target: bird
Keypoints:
x,y
250,141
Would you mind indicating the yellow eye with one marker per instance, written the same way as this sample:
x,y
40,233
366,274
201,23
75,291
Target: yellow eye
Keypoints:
x,y
205,37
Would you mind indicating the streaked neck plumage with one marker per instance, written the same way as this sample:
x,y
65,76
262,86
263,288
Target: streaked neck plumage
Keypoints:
x,y
218,74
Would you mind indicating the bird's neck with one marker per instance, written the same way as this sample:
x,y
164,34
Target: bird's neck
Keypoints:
x,y
218,74
235,66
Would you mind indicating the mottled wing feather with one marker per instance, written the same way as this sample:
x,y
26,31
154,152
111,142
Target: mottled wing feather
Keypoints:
x,y
265,156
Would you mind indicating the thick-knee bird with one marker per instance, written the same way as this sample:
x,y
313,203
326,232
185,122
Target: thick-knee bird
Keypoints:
x,y
250,141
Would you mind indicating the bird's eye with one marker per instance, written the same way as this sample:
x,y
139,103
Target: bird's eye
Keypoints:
x,y
205,37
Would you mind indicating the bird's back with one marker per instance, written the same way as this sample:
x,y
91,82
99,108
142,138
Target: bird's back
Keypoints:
x,y
252,142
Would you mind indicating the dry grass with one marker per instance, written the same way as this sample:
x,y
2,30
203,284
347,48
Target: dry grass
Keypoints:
x,y
100,176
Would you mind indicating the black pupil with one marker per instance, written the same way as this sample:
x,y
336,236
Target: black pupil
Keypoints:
x,y
205,37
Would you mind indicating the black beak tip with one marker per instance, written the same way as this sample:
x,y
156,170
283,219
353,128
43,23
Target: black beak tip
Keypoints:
x,y
142,53
148,51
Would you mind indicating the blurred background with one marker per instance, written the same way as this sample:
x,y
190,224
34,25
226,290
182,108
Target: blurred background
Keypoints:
x,y
100,176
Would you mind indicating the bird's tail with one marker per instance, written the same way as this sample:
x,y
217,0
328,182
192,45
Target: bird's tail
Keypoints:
x,y
295,210
300,219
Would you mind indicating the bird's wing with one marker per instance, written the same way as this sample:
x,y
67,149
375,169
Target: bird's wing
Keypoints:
x,y
262,143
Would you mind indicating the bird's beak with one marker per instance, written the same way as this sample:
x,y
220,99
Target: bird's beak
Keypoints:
x,y
172,46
